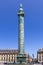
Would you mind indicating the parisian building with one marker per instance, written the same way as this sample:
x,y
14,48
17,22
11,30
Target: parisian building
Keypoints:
x,y
40,55
10,56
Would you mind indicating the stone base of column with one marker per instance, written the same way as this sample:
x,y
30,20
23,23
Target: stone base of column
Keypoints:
x,y
21,58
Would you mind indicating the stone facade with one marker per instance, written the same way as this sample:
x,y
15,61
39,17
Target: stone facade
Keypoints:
x,y
40,55
10,56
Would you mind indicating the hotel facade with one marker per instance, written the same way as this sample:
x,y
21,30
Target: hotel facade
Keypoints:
x,y
10,56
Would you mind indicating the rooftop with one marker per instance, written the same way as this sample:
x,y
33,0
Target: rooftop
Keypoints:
x,y
40,50
8,51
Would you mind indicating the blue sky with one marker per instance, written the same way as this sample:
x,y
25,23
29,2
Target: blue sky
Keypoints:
x,y
33,10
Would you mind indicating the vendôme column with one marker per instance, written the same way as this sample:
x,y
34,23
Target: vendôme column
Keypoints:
x,y
21,30
21,58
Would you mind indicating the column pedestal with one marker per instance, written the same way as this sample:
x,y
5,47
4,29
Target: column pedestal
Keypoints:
x,y
21,58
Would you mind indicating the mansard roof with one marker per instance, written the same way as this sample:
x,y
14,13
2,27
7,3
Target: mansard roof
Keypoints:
x,y
9,51
40,50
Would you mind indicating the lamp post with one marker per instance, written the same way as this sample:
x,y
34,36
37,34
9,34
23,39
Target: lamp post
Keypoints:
x,y
33,58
